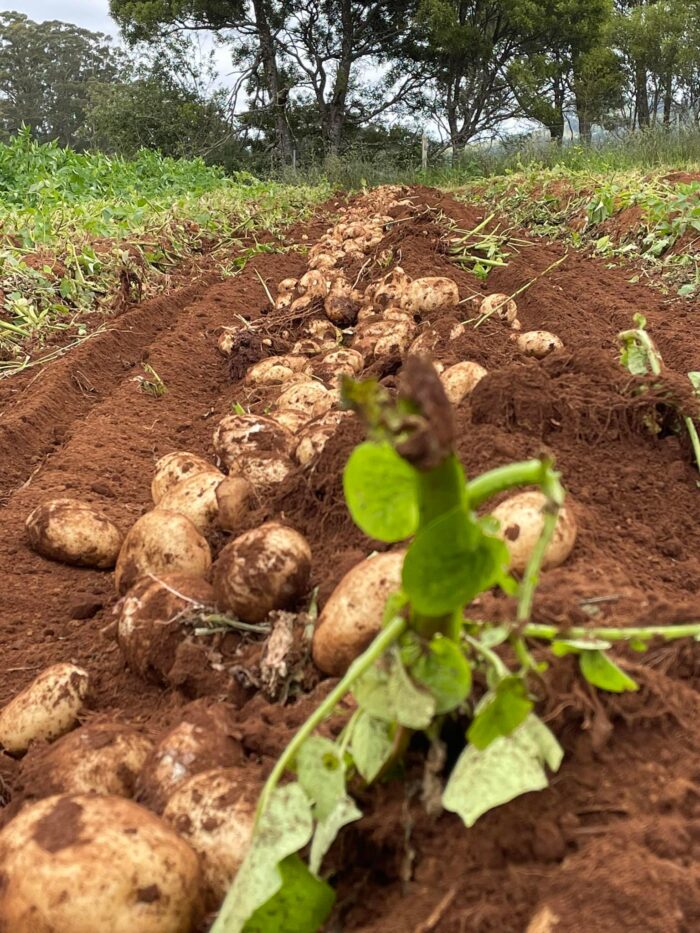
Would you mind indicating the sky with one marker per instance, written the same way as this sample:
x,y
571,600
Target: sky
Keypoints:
x,y
91,14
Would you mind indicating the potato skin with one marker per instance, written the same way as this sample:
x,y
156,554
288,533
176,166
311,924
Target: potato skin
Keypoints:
x,y
538,343
174,468
45,709
84,863
316,435
264,569
521,522
100,758
352,617
161,542
460,380
148,630
503,306
195,497
428,294
235,497
238,438
73,532
214,811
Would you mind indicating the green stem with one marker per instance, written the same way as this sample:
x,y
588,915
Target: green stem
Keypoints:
x,y
527,473
694,439
644,633
359,666
552,488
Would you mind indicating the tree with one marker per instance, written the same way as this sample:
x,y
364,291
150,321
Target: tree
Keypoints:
x,y
45,73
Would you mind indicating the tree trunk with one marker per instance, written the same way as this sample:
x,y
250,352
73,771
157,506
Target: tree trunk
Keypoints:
x,y
334,118
278,94
668,99
556,127
641,98
585,125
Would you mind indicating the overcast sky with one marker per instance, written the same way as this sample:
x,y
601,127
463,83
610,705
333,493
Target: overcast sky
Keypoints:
x,y
92,14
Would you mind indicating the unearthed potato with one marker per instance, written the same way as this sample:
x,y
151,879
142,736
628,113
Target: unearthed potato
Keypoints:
x,y
83,863
287,286
101,758
459,380
342,304
275,370
325,332
390,289
235,498
425,343
264,471
352,617
307,347
313,284
45,709
227,340
538,343
317,434
205,738
521,518
393,313
148,628
345,359
429,294
503,306
291,418
73,532
195,498
383,338
173,468
245,436
161,542
311,398
215,813
264,569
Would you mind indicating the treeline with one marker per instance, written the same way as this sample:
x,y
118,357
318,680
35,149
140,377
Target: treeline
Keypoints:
x,y
317,78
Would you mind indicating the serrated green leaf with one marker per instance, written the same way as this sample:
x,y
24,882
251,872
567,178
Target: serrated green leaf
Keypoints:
x,y
445,672
450,562
381,492
302,904
345,811
321,774
500,713
602,672
371,745
510,766
284,828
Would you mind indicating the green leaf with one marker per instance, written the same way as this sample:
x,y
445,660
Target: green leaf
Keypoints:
x,y
500,713
562,646
450,562
285,827
685,291
635,358
602,672
381,492
695,380
345,811
302,905
445,672
512,765
388,693
321,774
370,745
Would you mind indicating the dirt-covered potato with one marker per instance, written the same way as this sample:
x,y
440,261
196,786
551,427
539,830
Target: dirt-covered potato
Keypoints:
x,y
307,347
235,497
227,340
73,532
426,343
311,398
503,307
390,290
264,569
459,380
276,370
239,437
313,284
101,758
83,863
342,303
161,542
44,710
215,813
322,331
383,338
521,520
291,418
174,468
316,435
206,738
538,343
345,359
392,313
287,286
196,498
352,617
423,296
149,632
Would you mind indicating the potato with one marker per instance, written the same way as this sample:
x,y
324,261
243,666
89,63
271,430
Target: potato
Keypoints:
x,y
345,359
264,471
148,628
324,332
392,313
206,738
287,286
426,343
235,498
45,709
429,294
275,370
383,338
317,434
173,468
215,813
161,542
538,343
521,519
325,260
264,569
313,284
503,306
195,498
240,437
459,380
307,347
73,532
352,617
226,340
101,758
311,398
342,304
291,418
390,289
82,863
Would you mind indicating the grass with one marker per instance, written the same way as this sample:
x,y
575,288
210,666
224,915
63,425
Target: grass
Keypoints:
x,y
81,233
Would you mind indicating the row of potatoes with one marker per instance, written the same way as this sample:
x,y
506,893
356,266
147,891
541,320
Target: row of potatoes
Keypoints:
x,y
89,858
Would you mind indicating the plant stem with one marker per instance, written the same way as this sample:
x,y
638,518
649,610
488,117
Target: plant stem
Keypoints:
x,y
644,633
694,439
386,637
552,488
526,473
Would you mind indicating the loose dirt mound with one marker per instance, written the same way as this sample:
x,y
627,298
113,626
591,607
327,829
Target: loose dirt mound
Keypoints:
x,y
613,843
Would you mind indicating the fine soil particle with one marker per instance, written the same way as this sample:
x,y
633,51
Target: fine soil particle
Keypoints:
x,y
614,842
